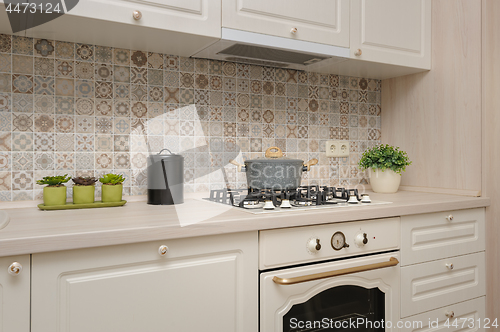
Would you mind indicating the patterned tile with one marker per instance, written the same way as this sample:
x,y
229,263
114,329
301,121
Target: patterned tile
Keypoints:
x,y
22,122
84,88
64,50
84,70
5,63
44,47
84,106
121,57
104,72
64,105
5,83
5,43
20,142
84,52
64,87
64,68
64,161
5,105
84,161
44,123
104,125
22,83
22,45
5,164
65,123
44,85
121,74
22,103
65,142
103,54
104,160
139,58
104,143
44,161
22,161
44,66
155,60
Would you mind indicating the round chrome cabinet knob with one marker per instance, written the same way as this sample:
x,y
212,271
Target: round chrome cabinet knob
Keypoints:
x,y
163,250
450,217
450,266
293,30
137,15
358,52
313,245
15,269
360,240
450,314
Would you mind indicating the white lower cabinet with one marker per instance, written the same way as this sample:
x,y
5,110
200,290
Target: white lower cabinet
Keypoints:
x,y
464,316
200,284
439,283
15,294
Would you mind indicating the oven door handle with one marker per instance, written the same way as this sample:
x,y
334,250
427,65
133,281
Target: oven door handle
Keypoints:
x,y
316,276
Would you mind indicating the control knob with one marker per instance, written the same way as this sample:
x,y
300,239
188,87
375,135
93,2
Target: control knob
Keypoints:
x,y
313,245
360,240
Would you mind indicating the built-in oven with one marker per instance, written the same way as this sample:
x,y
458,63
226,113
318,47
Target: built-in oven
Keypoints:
x,y
334,277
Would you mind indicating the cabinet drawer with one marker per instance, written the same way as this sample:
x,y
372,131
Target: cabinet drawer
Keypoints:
x,y
433,285
470,315
433,236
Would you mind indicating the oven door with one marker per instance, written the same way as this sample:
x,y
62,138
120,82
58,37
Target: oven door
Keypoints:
x,y
362,295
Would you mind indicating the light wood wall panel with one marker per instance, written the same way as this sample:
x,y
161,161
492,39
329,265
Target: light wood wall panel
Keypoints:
x,y
491,150
436,116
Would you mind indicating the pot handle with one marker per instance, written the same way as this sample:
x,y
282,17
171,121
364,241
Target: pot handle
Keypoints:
x,y
164,150
274,154
241,167
310,163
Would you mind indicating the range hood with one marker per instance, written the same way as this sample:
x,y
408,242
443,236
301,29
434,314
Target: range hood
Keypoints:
x,y
266,50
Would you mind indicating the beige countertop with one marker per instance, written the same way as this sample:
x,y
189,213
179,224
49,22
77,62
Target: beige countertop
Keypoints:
x,y
30,230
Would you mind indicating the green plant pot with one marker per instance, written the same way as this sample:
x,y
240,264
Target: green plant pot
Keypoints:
x,y
54,195
83,194
111,193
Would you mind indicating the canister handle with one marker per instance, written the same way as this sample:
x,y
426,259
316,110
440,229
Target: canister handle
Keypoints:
x,y
164,150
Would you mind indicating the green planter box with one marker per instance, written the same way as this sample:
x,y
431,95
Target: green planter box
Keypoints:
x,y
111,193
83,194
54,195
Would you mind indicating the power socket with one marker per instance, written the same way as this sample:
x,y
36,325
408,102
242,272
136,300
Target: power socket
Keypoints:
x,y
337,148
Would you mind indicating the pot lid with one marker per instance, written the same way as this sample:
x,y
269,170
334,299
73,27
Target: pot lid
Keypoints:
x,y
170,156
274,155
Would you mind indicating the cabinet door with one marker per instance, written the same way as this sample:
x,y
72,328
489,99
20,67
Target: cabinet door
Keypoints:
x,y
440,283
200,284
320,21
468,315
392,32
15,295
201,17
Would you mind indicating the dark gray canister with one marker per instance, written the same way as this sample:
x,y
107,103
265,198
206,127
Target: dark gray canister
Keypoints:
x,y
165,178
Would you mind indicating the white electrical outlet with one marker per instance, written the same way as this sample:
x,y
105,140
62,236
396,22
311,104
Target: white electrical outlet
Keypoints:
x,y
337,148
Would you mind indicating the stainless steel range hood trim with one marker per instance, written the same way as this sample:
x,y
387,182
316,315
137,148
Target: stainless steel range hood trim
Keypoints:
x,y
283,43
331,55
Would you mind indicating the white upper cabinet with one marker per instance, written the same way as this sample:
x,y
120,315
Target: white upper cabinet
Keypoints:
x,y
320,21
201,17
15,293
392,31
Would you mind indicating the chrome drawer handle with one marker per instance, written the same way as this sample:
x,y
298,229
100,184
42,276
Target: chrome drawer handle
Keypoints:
x,y
316,276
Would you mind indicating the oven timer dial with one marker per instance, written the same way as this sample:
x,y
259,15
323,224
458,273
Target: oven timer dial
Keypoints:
x,y
338,241
313,245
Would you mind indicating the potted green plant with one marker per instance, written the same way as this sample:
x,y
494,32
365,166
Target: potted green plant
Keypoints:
x,y
386,163
112,187
55,191
84,190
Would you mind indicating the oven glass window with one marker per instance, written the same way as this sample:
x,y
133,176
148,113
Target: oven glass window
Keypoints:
x,y
342,308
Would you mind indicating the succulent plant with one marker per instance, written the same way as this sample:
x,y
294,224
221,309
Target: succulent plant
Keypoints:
x,y
84,181
54,181
112,179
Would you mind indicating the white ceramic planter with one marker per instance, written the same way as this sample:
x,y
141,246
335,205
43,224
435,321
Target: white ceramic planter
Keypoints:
x,y
386,182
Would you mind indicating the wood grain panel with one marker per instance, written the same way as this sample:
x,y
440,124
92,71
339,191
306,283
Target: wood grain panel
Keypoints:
x,y
436,116
491,148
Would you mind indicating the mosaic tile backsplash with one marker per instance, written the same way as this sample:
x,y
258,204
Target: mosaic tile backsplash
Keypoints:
x,y
87,110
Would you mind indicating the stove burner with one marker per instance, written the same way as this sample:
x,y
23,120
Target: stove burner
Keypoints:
x,y
313,195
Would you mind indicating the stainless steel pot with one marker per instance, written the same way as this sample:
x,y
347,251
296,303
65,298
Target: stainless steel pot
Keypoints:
x,y
274,171
165,178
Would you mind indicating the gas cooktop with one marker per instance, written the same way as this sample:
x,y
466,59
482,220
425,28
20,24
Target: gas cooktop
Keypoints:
x,y
303,198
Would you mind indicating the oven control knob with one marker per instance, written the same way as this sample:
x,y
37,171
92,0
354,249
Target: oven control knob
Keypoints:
x,y
313,245
360,240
